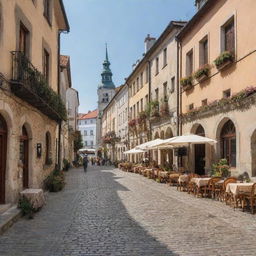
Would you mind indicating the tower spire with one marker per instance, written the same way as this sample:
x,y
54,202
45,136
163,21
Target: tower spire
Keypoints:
x,y
106,75
106,52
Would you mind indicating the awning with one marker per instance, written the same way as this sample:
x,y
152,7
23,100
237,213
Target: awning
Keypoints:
x,y
134,151
149,144
184,140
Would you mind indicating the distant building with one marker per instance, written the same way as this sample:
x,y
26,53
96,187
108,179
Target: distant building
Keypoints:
x,y
87,127
106,92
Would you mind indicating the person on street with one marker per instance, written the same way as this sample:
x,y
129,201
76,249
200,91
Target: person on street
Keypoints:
x,y
85,162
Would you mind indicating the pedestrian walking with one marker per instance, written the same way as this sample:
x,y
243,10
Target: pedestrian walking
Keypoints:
x,y
85,162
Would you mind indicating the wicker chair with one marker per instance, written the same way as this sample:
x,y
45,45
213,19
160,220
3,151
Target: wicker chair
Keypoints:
x,y
227,197
189,186
249,198
209,189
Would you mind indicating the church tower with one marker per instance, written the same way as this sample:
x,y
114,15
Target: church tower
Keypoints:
x,y
106,91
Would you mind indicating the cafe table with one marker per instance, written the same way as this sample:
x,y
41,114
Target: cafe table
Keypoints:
x,y
200,182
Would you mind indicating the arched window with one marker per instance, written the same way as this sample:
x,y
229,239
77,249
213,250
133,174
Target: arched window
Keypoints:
x,y
228,142
48,159
200,131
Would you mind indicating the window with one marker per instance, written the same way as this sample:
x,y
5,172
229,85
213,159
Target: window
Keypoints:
x,y
91,132
85,122
141,80
91,121
157,65
138,107
85,143
204,102
191,106
157,94
172,84
203,51
91,143
47,10
146,100
165,57
134,92
228,34
165,90
23,40
141,104
85,133
226,94
147,74
228,143
137,84
46,65
189,66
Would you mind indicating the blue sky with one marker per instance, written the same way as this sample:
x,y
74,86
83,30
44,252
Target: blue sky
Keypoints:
x,y
123,24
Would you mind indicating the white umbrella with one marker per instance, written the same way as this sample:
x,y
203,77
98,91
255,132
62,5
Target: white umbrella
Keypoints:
x,y
149,144
134,151
189,139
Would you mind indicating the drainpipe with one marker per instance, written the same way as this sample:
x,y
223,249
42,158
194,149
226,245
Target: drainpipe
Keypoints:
x,y
149,92
58,84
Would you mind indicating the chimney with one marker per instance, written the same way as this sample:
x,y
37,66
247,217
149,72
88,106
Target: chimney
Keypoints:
x,y
149,41
200,3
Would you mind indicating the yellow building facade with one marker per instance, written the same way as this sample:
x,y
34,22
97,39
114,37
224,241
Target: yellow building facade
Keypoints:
x,y
217,63
30,108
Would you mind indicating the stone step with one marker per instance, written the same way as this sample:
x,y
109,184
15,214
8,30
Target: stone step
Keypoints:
x,y
4,207
8,217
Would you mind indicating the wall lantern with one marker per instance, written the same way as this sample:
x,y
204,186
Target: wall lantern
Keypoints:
x,y
39,150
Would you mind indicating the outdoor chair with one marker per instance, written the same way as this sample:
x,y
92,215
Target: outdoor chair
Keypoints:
x,y
189,186
224,196
209,189
249,199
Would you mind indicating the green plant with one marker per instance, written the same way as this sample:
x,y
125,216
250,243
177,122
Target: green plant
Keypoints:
x,y
55,181
223,58
78,142
221,169
26,207
186,81
202,71
66,165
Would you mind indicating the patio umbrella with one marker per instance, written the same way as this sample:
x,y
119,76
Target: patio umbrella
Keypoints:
x,y
149,144
134,151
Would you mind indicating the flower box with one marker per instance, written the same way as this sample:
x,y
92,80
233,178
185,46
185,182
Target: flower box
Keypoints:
x,y
202,73
224,60
186,83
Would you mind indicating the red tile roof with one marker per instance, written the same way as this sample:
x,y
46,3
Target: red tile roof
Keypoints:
x,y
89,115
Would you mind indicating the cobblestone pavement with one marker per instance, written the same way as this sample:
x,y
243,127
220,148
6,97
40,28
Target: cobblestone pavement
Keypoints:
x,y
109,212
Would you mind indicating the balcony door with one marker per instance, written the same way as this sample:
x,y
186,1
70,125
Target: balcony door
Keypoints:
x,y
24,156
3,149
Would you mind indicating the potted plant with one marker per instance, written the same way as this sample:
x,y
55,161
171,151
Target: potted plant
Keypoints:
x,y
224,60
186,82
202,73
221,169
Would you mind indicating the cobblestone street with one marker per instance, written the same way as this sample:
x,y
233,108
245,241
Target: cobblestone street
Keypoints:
x,y
109,212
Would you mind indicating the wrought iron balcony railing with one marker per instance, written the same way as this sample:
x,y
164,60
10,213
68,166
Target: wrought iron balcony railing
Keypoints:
x,y
30,85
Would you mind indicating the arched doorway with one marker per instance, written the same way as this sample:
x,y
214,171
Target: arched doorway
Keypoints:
x,y
200,153
3,149
24,156
228,143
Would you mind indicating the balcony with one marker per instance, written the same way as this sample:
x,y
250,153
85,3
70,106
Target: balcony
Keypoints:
x,y
30,85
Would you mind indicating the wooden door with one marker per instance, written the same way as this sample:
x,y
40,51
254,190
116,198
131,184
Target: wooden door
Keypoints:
x,y
200,159
3,149
24,156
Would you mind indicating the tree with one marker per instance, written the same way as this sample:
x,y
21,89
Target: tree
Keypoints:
x,y
78,143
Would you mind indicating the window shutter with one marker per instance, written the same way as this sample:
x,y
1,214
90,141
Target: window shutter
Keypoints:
x,y
230,37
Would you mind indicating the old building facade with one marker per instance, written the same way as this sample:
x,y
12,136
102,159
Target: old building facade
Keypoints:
x,y
30,108
218,85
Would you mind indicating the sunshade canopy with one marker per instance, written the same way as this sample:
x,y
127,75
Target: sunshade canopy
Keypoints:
x,y
149,144
184,140
134,151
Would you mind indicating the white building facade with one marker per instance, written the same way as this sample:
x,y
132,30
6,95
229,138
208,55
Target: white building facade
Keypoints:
x,y
87,127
